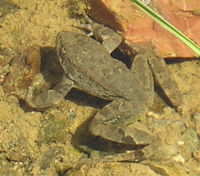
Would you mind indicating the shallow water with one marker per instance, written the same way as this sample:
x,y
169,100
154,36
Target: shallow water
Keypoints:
x,y
34,142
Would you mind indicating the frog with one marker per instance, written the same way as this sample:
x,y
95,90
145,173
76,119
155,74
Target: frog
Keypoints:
x,y
88,66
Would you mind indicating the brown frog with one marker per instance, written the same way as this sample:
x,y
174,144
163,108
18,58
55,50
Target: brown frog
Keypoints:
x,y
88,66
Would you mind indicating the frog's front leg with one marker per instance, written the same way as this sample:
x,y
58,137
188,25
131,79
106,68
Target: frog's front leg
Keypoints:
x,y
49,97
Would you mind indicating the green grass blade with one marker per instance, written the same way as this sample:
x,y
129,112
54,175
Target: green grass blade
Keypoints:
x,y
167,26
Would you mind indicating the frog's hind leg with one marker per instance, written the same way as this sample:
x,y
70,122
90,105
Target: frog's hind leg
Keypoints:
x,y
143,76
49,97
165,79
111,122
109,39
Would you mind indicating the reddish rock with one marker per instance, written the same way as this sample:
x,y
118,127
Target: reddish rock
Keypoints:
x,y
138,27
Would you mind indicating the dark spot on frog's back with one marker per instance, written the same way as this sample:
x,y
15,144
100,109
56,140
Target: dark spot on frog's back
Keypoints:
x,y
126,139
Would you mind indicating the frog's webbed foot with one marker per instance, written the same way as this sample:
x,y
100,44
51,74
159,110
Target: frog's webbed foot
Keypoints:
x,y
157,151
49,97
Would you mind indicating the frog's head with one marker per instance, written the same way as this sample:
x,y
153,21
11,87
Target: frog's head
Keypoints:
x,y
71,46
65,42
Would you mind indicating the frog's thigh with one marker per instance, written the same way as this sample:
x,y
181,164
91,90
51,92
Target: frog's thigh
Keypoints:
x,y
165,80
143,76
110,122
50,97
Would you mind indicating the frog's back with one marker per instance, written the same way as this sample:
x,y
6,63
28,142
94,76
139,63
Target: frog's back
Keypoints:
x,y
93,70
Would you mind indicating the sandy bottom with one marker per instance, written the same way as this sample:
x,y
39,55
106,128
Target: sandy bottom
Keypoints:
x,y
45,142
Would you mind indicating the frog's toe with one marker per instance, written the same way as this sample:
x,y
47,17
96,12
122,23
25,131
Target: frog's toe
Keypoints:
x,y
29,97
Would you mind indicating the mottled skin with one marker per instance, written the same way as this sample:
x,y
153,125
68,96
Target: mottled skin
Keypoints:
x,y
88,66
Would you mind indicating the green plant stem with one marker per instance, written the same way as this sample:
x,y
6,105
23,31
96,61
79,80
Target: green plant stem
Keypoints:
x,y
167,26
